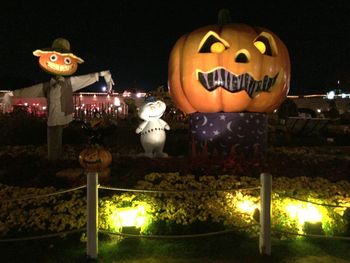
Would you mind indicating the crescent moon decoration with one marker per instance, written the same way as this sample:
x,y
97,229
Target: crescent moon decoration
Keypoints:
x,y
229,126
240,136
205,121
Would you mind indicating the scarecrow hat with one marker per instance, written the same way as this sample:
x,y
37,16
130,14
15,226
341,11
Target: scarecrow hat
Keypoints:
x,y
60,46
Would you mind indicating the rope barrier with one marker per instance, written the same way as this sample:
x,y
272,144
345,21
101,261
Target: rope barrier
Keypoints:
x,y
42,236
312,202
44,195
312,235
176,191
175,236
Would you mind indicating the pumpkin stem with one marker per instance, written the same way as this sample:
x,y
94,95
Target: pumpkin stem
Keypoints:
x,y
224,17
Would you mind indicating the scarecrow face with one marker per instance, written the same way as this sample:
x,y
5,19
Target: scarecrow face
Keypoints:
x,y
58,64
232,68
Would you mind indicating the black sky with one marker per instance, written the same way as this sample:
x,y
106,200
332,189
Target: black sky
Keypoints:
x,y
134,38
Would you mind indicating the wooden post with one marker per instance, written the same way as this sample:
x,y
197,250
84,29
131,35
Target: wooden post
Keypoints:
x,y
265,214
92,214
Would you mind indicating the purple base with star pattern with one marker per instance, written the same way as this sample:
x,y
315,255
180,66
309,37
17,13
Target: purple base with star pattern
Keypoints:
x,y
225,133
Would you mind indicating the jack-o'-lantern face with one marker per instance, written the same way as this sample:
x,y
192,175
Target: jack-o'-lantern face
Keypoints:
x,y
95,158
57,63
229,68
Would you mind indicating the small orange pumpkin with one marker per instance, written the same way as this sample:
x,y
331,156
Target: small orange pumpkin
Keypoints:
x,y
95,158
229,68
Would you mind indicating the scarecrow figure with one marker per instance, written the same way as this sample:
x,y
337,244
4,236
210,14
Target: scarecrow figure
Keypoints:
x,y
61,63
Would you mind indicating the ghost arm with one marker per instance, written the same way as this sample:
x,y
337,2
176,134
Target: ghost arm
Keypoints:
x,y
141,127
164,124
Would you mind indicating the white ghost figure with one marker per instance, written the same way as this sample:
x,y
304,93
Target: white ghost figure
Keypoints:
x,y
152,129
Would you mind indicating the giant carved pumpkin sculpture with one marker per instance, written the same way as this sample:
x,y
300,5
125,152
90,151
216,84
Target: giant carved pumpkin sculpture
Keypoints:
x,y
228,71
230,68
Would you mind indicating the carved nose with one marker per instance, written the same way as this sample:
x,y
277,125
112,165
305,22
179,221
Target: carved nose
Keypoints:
x,y
241,58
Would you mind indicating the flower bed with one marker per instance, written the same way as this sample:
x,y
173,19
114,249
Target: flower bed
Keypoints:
x,y
293,205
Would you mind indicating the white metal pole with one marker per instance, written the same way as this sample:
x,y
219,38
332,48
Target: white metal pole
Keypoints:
x,y
265,214
92,215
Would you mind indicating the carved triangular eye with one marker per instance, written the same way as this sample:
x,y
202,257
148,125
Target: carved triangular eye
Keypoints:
x,y
266,44
212,43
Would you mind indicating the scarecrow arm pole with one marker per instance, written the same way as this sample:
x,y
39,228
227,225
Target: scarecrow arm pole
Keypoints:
x,y
82,81
34,91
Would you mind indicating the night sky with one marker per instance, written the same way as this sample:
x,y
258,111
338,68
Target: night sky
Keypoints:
x,y
134,38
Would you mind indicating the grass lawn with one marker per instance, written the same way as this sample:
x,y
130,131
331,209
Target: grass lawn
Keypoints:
x,y
220,249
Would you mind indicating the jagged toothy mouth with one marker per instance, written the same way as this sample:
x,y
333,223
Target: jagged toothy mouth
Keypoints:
x,y
221,77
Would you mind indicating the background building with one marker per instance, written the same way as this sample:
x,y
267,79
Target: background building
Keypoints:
x,y
86,104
